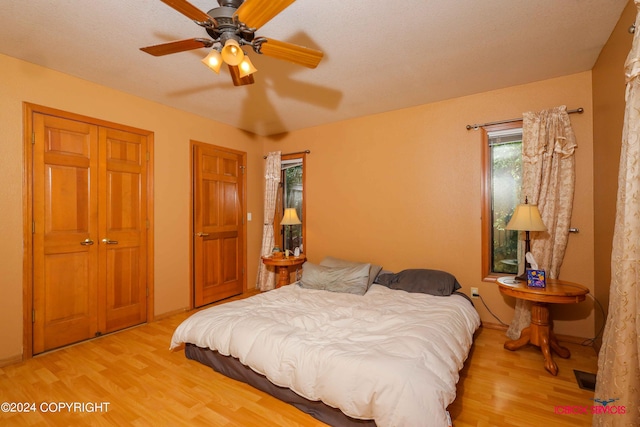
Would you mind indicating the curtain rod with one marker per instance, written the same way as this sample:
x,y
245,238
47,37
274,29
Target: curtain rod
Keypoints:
x,y
478,126
289,154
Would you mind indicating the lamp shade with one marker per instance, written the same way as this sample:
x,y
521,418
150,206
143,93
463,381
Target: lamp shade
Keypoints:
x,y
213,60
526,217
231,52
246,67
290,217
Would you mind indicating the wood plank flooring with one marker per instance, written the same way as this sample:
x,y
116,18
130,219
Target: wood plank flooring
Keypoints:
x,y
145,384
498,387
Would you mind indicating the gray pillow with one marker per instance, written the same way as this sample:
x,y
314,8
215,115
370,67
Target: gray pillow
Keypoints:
x,y
381,274
351,280
337,262
433,282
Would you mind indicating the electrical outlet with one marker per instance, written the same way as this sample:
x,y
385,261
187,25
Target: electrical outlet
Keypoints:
x,y
475,293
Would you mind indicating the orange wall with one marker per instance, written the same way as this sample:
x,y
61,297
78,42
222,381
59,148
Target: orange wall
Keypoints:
x,y
402,189
608,107
173,129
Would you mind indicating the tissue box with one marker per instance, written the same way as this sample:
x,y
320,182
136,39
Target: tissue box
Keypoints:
x,y
536,279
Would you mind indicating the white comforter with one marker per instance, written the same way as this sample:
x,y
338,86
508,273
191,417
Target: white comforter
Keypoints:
x,y
389,355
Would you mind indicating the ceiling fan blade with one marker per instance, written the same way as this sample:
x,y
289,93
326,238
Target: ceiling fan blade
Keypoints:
x,y
291,52
256,13
237,80
188,10
177,46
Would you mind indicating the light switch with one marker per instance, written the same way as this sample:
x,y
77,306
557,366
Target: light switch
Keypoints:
x,y
248,216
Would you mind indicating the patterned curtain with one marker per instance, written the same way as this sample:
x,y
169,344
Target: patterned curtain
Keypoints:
x,y
266,279
618,363
548,180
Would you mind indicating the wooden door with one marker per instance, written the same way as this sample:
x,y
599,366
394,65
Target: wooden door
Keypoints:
x,y
123,229
89,230
65,232
218,254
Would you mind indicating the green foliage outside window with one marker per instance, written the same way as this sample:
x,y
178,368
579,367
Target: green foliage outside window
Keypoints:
x,y
293,199
506,182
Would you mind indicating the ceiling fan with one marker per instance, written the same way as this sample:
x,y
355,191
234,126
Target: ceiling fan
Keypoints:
x,y
232,25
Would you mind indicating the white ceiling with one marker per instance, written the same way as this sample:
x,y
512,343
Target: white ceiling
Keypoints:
x,y
379,55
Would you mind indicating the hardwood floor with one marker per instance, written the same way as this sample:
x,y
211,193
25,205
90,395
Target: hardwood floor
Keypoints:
x,y
142,383
498,387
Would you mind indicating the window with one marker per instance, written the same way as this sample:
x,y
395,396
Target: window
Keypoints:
x,y
502,192
291,195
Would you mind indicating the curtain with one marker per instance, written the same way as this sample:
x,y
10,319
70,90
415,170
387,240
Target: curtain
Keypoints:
x,y
266,278
618,363
548,180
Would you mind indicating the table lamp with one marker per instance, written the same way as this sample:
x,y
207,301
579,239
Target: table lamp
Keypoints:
x,y
526,217
290,218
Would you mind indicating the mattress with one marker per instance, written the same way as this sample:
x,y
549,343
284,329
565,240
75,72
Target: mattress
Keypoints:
x,y
389,356
232,368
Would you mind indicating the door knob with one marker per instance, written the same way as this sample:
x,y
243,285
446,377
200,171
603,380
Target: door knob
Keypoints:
x,y
87,242
201,234
109,242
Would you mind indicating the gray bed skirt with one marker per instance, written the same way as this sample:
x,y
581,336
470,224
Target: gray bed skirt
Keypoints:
x,y
232,368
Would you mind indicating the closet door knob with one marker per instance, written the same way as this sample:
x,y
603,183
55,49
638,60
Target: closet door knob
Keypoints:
x,y
87,242
201,234
109,242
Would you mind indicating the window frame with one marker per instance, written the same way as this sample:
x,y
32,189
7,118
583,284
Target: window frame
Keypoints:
x,y
487,225
278,230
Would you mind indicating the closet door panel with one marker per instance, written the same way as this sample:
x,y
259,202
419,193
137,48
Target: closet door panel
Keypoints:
x,y
65,231
123,229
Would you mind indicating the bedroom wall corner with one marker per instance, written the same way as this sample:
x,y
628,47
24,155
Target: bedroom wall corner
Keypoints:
x,y
608,107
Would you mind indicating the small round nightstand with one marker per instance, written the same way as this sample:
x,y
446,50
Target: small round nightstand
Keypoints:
x,y
540,332
282,266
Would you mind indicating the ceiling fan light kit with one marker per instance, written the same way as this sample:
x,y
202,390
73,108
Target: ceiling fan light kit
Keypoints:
x,y
232,25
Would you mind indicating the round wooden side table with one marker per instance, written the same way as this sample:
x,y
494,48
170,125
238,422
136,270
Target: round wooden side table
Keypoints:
x,y
540,332
282,266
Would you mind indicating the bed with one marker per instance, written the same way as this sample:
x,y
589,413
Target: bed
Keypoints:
x,y
385,353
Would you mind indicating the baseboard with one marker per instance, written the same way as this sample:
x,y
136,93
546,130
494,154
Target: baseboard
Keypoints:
x,y
563,338
10,360
250,292
170,313
597,344
246,293
496,326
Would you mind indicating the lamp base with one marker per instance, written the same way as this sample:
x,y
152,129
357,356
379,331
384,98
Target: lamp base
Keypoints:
x,y
522,277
